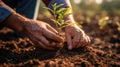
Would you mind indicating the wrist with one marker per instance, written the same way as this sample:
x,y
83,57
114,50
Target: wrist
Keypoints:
x,y
70,18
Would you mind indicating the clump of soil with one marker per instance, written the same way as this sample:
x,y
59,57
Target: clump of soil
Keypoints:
x,y
104,50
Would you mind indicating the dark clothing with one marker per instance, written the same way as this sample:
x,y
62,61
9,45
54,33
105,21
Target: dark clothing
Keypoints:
x,y
26,7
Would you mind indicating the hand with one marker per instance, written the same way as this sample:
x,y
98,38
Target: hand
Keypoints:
x,y
40,33
76,37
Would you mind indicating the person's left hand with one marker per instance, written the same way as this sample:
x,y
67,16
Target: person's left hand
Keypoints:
x,y
76,37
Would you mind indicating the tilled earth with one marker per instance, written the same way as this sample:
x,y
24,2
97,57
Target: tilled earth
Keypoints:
x,y
104,50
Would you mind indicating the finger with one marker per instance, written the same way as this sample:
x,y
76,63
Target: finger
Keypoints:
x,y
69,41
52,36
45,47
79,45
85,41
31,38
80,42
51,29
37,42
53,44
88,38
44,43
57,45
42,39
76,40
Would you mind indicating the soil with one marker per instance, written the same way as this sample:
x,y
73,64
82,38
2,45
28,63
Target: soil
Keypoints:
x,y
104,50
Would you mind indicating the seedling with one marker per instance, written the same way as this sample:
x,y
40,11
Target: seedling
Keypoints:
x,y
58,15
103,22
118,24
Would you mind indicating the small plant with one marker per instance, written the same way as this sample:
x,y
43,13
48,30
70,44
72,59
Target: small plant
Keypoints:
x,y
58,15
118,24
103,22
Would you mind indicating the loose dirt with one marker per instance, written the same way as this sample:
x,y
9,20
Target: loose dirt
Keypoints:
x,y
104,50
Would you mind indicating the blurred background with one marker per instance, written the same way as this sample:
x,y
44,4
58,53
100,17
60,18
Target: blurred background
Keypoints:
x,y
101,11
93,7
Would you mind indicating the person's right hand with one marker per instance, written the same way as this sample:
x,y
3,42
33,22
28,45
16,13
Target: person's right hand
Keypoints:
x,y
41,33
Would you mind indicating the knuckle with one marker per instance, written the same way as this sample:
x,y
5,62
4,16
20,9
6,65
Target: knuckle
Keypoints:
x,y
89,40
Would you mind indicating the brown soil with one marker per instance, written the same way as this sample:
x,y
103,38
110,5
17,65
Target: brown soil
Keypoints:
x,y
104,50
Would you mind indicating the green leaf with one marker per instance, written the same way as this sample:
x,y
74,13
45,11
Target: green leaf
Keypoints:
x,y
67,11
61,10
59,14
48,9
79,25
54,6
60,5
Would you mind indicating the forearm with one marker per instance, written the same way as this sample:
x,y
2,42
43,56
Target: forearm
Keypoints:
x,y
4,12
3,5
15,21
12,19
